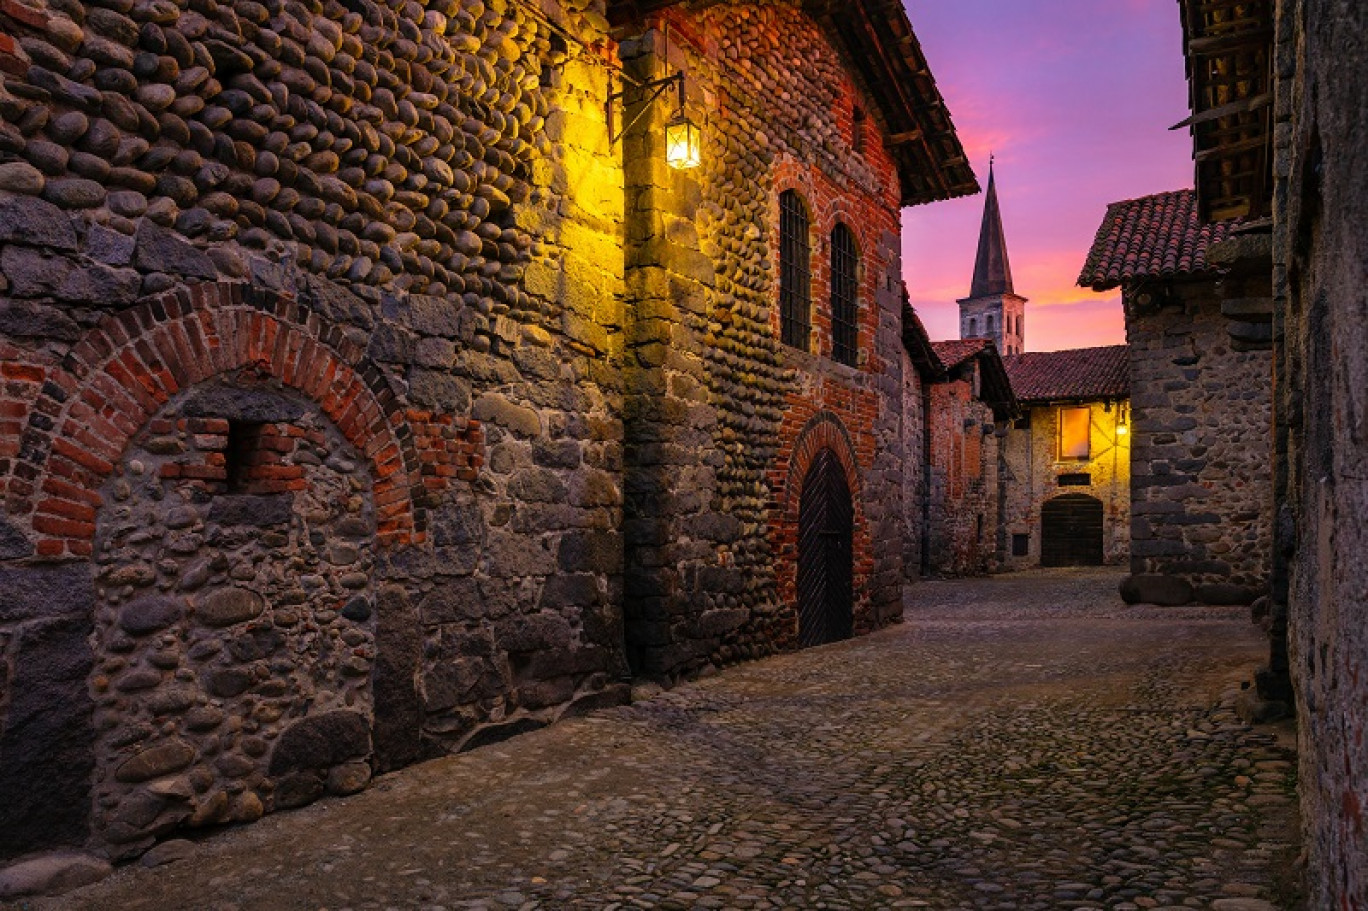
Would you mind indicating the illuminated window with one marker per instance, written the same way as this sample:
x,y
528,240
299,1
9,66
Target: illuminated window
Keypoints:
x,y
1075,432
844,292
795,271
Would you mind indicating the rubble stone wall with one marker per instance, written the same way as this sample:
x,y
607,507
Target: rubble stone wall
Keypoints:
x,y
406,221
1201,514
1321,244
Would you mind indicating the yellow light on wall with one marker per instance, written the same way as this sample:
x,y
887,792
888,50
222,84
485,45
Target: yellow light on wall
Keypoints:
x,y
1122,430
683,139
683,144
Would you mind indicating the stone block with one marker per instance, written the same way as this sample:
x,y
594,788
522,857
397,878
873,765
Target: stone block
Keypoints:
x,y
1156,588
47,755
52,874
238,404
160,250
160,759
228,606
150,613
253,510
320,742
36,223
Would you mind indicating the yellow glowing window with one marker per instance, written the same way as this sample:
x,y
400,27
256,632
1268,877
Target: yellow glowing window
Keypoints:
x,y
1075,432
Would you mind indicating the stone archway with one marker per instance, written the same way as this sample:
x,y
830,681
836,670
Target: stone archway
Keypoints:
x,y
234,619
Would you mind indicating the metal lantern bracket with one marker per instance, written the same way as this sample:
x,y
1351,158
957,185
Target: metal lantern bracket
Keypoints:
x,y
656,88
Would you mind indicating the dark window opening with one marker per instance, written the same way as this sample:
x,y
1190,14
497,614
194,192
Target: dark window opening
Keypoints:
x,y
795,271
978,527
1075,479
973,328
844,296
1022,423
241,454
1021,545
858,131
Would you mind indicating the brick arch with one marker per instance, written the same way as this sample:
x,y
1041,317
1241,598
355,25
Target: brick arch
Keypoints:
x,y
823,430
122,372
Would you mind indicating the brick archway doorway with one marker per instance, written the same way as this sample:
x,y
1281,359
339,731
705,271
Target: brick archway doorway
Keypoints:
x,y
1071,531
826,520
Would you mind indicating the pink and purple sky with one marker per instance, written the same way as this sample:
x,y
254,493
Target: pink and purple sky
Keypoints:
x,y
1075,98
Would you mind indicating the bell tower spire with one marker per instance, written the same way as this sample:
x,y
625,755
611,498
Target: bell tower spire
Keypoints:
x,y
993,309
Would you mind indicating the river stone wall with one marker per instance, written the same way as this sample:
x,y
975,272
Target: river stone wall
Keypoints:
x,y
716,405
406,217
1201,513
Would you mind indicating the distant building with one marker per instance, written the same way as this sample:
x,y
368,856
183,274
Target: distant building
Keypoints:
x,y
1066,463
969,403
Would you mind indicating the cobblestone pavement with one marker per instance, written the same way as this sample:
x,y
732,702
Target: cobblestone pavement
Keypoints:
x,y
1019,742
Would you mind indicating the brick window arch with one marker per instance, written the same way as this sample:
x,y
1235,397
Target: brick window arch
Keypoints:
x,y
845,287
795,271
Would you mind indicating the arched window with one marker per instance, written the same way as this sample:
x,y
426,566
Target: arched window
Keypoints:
x,y
973,328
988,323
795,271
844,296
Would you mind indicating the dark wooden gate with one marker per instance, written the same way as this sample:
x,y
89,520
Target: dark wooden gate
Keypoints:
x,y
1071,531
826,523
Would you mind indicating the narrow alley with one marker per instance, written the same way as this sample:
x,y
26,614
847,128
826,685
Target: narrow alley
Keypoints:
x,y
1018,742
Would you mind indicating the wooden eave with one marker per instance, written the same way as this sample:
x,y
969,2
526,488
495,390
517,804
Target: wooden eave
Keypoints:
x,y
995,387
877,41
1228,45
918,344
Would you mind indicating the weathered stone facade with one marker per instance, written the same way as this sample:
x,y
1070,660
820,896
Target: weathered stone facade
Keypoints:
x,y
1198,303
969,409
1321,454
1200,474
1033,474
340,374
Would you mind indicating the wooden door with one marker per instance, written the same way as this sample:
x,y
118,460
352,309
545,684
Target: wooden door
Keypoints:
x,y
1071,531
826,571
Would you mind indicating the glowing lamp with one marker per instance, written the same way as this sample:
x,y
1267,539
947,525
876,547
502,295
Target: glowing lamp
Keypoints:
x,y
683,144
1122,430
683,139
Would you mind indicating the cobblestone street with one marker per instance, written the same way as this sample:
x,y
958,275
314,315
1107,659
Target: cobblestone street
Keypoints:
x,y
1019,742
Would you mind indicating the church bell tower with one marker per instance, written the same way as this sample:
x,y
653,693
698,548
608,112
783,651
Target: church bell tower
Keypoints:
x,y
993,309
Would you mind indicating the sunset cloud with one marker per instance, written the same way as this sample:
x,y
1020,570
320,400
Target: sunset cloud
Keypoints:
x,y
1075,98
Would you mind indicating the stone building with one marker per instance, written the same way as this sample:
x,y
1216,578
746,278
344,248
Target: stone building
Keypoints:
x,y
1201,399
969,405
372,389
1280,142
1066,462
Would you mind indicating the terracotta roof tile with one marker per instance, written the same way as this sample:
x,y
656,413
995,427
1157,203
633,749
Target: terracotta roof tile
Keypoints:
x,y
956,351
1082,373
1154,237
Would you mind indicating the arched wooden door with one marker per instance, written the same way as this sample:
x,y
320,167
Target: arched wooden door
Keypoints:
x,y
826,571
1071,531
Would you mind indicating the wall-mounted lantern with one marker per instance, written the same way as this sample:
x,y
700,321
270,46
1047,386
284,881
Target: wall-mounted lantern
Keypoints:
x,y
683,139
